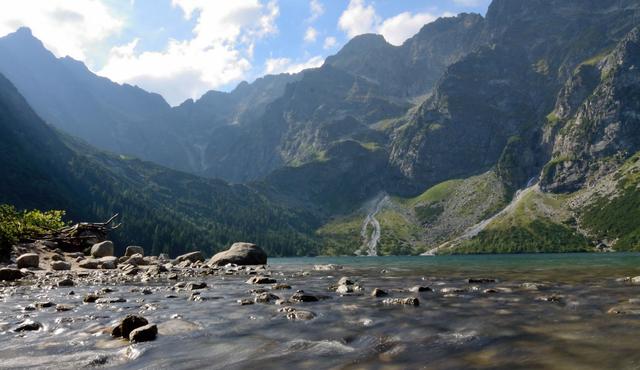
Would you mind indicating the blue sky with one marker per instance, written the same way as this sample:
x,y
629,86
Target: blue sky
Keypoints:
x,y
183,48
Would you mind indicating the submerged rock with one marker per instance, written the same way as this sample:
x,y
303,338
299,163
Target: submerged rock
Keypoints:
x,y
103,249
240,254
480,280
28,260
301,315
293,313
412,301
329,267
266,298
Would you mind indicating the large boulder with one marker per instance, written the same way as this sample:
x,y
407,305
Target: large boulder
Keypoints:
x,y
28,260
191,257
133,249
104,249
240,254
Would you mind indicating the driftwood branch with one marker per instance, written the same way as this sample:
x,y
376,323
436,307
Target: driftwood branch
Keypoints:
x,y
81,235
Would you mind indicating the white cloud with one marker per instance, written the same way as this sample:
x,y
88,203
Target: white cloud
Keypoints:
x,y
219,53
286,65
358,18
310,35
404,25
329,43
66,27
317,10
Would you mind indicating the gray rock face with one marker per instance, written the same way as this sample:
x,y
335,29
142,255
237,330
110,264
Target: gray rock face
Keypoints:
x,y
133,249
240,254
104,249
10,274
191,257
28,260
596,119
60,265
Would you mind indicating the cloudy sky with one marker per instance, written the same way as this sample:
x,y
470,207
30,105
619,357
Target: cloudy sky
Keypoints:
x,y
183,48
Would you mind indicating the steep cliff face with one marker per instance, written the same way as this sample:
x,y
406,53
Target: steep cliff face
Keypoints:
x,y
505,89
481,102
598,115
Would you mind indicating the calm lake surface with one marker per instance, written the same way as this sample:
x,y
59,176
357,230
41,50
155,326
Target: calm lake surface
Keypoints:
x,y
545,311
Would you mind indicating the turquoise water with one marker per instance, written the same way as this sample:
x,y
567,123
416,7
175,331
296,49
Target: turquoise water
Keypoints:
x,y
540,265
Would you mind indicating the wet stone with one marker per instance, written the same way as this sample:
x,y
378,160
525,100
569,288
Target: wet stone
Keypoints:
x,y
266,298
480,280
110,300
377,292
90,298
41,305
127,325
28,325
196,286
301,315
63,307
65,282
419,289
261,280
144,333
244,302
281,287
302,297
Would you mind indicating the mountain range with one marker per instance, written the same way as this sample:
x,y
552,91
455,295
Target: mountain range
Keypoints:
x,y
512,132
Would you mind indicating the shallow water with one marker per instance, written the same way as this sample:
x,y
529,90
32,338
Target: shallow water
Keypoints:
x,y
515,328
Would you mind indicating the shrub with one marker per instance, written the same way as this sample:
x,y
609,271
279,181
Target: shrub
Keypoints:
x,y
20,225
